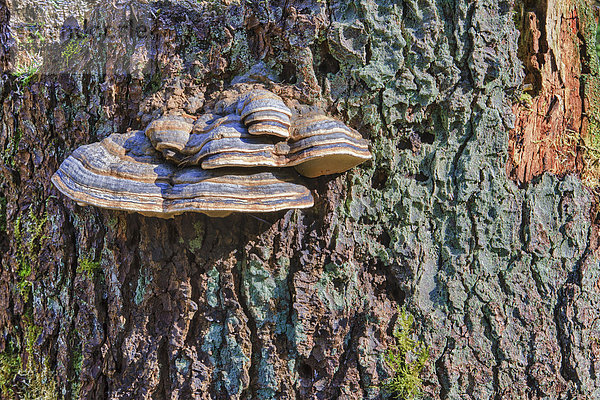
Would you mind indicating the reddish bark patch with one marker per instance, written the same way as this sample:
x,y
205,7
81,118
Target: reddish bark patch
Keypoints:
x,y
549,114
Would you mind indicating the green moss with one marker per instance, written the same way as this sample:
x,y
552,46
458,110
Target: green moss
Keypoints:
x,y
11,149
526,100
27,73
73,48
87,265
591,151
32,332
27,70
29,238
31,379
153,82
2,214
77,361
40,382
406,357
10,363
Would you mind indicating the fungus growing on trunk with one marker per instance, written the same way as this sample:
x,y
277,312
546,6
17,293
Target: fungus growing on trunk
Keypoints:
x,y
124,172
321,145
209,163
264,113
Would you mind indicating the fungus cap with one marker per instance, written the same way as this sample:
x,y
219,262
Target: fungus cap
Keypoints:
x,y
261,100
266,109
318,124
326,160
322,145
124,172
170,132
222,140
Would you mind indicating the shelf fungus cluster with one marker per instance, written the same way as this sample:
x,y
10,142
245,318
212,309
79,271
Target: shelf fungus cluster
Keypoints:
x,y
213,164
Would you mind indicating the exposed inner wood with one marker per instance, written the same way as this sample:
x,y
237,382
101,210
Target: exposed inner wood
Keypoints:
x,y
549,114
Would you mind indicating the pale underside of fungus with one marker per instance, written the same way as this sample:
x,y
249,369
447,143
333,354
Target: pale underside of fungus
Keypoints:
x,y
124,172
215,164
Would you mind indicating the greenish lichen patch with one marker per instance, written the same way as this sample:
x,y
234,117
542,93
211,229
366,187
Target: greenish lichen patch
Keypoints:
x,y
241,56
383,23
268,381
234,362
267,294
212,287
226,355
143,283
195,244
213,340
182,364
337,287
222,344
268,298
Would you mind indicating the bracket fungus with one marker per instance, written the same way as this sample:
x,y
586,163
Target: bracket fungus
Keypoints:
x,y
265,113
321,145
214,164
124,172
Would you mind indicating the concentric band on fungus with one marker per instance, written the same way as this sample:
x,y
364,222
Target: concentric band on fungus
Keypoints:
x,y
131,180
212,163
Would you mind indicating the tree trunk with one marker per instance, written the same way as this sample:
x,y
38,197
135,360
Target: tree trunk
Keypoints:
x,y
471,222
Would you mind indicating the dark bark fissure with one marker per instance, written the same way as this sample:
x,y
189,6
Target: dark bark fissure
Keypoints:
x,y
162,391
72,338
441,372
566,369
250,391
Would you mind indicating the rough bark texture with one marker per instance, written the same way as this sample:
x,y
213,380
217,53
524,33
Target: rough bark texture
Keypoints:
x,y
503,280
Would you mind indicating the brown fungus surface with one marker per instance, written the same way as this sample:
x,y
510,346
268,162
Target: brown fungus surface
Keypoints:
x,y
124,172
207,164
170,133
259,130
321,145
264,113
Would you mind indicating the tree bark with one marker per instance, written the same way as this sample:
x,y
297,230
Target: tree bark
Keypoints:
x,y
501,276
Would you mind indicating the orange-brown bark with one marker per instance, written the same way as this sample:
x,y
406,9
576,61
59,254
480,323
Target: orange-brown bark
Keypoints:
x,y
548,124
